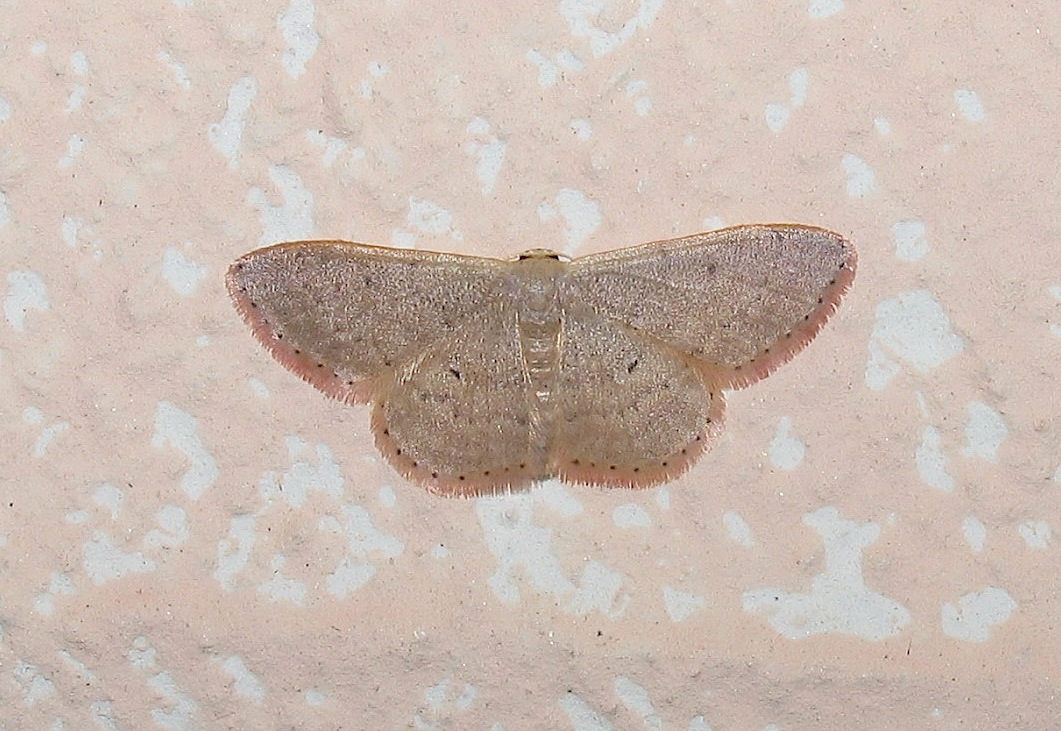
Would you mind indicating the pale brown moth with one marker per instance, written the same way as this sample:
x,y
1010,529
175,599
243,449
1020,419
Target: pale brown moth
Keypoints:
x,y
486,375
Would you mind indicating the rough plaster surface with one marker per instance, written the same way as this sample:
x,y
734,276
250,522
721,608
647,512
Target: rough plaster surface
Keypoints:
x,y
191,538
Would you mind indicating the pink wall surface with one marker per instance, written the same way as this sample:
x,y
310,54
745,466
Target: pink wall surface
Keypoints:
x,y
193,538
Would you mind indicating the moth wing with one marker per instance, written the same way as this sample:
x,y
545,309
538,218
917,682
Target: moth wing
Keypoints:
x,y
741,300
459,419
343,315
629,411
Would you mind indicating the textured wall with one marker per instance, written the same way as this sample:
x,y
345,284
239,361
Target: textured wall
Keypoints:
x,y
192,538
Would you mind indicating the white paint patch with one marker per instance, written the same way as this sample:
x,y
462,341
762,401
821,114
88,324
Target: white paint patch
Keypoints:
x,y
738,530
839,600
5,110
777,116
25,292
180,430
75,145
555,496
258,388
488,151
1036,533
440,552
293,219
714,223
860,177
568,61
363,542
883,126
110,498
77,235
173,528
969,105
786,451
663,498
282,588
911,243
181,273
635,698
818,9
376,70
582,129
79,63
296,26
331,147
518,543
581,216
976,614
59,584
35,687
314,698
636,90
548,73
1055,329
179,710
975,533
32,415
227,135
76,99
245,683
387,496
985,431
932,462
681,605
430,218
581,715
631,515
442,706
180,74
402,239
582,15
312,469
234,552
913,328
104,561
798,84
5,209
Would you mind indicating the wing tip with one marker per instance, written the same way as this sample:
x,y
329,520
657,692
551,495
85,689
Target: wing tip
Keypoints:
x,y
313,372
799,337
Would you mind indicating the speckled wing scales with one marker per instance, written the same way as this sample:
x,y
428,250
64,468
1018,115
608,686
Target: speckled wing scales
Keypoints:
x,y
630,411
741,300
343,316
649,337
459,419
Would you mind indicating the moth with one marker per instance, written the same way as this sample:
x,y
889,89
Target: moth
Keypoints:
x,y
486,375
